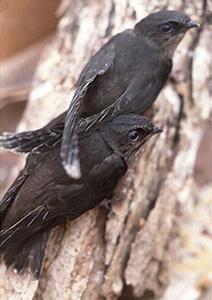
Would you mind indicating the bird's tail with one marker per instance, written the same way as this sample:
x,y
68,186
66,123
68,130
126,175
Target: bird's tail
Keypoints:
x,y
35,140
22,244
29,254
28,141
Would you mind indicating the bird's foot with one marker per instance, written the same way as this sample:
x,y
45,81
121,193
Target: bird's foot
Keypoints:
x,y
106,203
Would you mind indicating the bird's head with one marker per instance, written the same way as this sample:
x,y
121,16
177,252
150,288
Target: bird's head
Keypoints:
x,y
127,133
166,29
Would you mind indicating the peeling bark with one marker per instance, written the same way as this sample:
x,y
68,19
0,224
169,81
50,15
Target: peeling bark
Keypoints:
x,y
100,255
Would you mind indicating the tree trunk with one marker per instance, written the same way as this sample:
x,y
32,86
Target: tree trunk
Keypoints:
x,y
128,251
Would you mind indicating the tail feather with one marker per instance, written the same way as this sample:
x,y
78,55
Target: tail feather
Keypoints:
x,y
26,255
35,221
28,141
23,244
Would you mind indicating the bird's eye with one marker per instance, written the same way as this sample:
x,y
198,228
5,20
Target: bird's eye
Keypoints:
x,y
134,135
167,28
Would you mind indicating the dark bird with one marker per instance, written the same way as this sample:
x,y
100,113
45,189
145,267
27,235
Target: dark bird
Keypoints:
x,y
43,195
124,76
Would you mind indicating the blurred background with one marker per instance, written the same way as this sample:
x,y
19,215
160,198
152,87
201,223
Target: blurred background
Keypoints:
x,y
26,27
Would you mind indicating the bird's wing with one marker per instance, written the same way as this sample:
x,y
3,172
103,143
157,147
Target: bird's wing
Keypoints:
x,y
76,199
29,224
43,217
10,195
32,162
73,200
112,169
67,201
140,94
39,140
98,66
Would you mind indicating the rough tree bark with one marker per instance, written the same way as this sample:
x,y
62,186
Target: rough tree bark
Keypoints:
x,y
129,250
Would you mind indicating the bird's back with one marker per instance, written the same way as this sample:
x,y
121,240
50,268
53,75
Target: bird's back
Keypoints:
x,y
133,54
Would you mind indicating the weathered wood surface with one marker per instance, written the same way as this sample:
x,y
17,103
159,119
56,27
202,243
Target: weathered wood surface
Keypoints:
x,y
101,254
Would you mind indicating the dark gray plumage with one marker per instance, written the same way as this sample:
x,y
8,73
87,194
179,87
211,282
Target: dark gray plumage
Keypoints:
x,y
44,196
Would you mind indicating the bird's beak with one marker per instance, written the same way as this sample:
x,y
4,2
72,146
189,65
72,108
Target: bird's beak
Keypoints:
x,y
191,24
157,130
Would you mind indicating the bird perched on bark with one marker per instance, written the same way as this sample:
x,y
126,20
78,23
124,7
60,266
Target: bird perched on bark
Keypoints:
x,y
124,76
43,195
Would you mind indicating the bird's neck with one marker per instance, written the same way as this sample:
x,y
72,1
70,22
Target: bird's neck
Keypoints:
x,y
167,47
152,44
